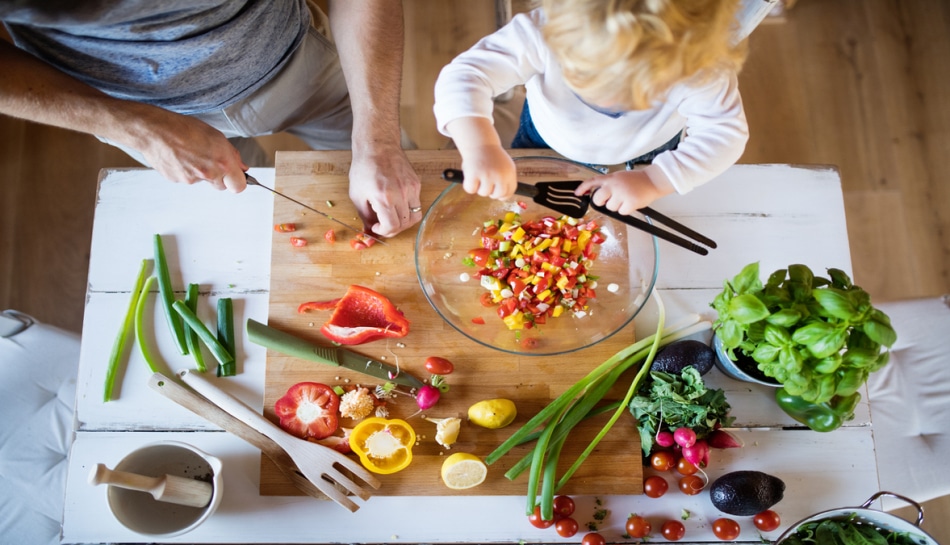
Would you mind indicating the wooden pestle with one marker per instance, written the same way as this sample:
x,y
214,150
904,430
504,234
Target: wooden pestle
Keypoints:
x,y
171,489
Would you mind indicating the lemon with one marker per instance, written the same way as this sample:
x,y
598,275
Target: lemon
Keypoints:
x,y
493,413
463,470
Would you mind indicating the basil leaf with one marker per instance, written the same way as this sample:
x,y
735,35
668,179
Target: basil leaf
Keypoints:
x,y
828,364
730,333
837,303
777,336
850,381
880,332
765,353
776,279
745,309
747,281
785,318
839,279
800,274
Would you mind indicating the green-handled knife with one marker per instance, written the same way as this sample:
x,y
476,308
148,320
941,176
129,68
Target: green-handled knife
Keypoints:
x,y
285,343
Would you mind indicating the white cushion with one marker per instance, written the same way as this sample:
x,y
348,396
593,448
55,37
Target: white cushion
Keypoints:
x,y
38,368
910,402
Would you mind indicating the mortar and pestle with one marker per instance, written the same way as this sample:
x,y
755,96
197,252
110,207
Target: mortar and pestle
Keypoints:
x,y
162,489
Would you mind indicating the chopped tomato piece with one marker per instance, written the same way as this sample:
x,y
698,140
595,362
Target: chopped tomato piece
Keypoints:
x,y
309,410
298,242
362,241
285,227
330,236
478,320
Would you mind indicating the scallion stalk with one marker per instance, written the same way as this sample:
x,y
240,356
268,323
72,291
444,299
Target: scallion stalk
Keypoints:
x,y
167,294
226,335
191,336
150,359
122,337
217,350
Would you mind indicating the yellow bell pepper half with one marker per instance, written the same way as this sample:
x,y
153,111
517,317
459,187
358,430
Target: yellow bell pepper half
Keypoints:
x,y
383,445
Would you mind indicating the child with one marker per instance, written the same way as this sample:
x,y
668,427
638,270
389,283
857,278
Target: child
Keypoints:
x,y
607,82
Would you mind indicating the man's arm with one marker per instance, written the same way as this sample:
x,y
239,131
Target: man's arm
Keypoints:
x,y
182,149
383,185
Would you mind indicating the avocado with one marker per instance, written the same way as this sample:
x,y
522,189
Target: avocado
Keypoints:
x,y
746,493
678,355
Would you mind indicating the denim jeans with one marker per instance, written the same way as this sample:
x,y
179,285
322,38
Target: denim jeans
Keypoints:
x,y
528,137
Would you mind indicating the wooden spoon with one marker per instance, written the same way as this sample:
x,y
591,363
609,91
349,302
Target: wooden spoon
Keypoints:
x,y
170,488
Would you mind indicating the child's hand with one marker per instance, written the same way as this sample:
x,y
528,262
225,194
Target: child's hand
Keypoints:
x,y
489,172
624,192
488,169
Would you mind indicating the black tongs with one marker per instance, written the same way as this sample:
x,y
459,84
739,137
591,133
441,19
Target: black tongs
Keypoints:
x,y
560,197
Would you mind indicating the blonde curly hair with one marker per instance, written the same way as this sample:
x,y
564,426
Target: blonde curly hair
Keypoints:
x,y
629,53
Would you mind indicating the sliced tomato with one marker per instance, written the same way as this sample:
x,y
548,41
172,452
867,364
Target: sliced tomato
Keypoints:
x,y
285,227
298,242
480,256
478,320
330,236
309,410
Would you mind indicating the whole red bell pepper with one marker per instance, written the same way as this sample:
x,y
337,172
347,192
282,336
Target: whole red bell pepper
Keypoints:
x,y
360,316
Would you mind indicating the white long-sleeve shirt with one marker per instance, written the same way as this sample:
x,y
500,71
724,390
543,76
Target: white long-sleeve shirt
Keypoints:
x,y
716,128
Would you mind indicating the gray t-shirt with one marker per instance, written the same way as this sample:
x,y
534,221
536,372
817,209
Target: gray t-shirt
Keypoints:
x,y
188,56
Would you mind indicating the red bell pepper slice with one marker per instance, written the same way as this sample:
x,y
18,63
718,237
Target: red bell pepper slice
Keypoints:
x,y
309,410
360,316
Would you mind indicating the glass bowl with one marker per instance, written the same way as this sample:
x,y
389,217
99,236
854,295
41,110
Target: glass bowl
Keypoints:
x,y
626,267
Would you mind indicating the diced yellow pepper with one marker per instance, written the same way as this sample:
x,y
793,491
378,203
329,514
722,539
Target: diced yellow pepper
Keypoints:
x,y
558,310
514,321
582,239
518,234
549,267
545,244
566,247
562,282
510,217
544,295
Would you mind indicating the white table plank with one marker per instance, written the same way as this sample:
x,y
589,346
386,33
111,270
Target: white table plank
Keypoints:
x,y
821,471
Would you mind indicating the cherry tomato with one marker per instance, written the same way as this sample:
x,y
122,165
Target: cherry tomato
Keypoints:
x,y
685,467
285,227
530,343
563,506
726,529
330,236
691,485
673,530
655,486
536,520
767,520
662,460
439,366
638,526
566,527
593,538
298,242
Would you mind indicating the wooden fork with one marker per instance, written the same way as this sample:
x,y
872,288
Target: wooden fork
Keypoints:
x,y
317,462
212,413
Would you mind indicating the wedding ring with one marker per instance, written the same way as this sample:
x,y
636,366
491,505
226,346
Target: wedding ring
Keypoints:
x,y
415,209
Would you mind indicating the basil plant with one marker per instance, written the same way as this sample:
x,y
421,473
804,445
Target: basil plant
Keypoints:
x,y
819,337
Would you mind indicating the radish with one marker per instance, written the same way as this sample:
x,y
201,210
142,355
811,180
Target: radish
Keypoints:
x,y
427,397
723,439
664,439
697,454
684,437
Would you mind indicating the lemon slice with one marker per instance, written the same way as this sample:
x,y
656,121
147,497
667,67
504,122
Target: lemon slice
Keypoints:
x,y
463,470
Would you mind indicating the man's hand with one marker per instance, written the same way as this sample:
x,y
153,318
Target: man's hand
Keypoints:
x,y
187,150
624,192
385,190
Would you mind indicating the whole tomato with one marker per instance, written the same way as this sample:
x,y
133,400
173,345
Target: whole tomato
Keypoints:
x,y
638,526
673,530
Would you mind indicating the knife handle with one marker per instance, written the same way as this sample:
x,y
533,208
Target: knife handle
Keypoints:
x,y
285,343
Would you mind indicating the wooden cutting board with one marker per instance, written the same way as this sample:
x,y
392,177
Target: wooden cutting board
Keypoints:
x,y
321,271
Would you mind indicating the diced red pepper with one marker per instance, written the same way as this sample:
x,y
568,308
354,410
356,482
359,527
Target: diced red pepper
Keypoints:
x,y
360,316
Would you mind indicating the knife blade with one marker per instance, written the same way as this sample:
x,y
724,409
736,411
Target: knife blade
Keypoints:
x,y
285,343
253,181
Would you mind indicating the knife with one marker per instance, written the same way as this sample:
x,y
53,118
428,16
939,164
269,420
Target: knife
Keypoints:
x,y
285,343
253,181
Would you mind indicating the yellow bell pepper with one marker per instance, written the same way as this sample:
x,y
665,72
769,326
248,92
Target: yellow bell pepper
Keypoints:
x,y
383,445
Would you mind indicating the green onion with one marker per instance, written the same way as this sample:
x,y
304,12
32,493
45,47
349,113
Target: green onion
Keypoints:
x,y
219,352
559,417
191,336
122,337
150,359
226,335
168,296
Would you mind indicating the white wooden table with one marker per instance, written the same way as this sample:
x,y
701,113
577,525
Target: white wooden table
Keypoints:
x,y
774,214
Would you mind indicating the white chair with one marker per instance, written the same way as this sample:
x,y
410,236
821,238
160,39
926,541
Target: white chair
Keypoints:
x,y
910,402
38,367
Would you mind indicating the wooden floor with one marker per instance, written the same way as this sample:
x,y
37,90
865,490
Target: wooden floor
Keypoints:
x,y
860,84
